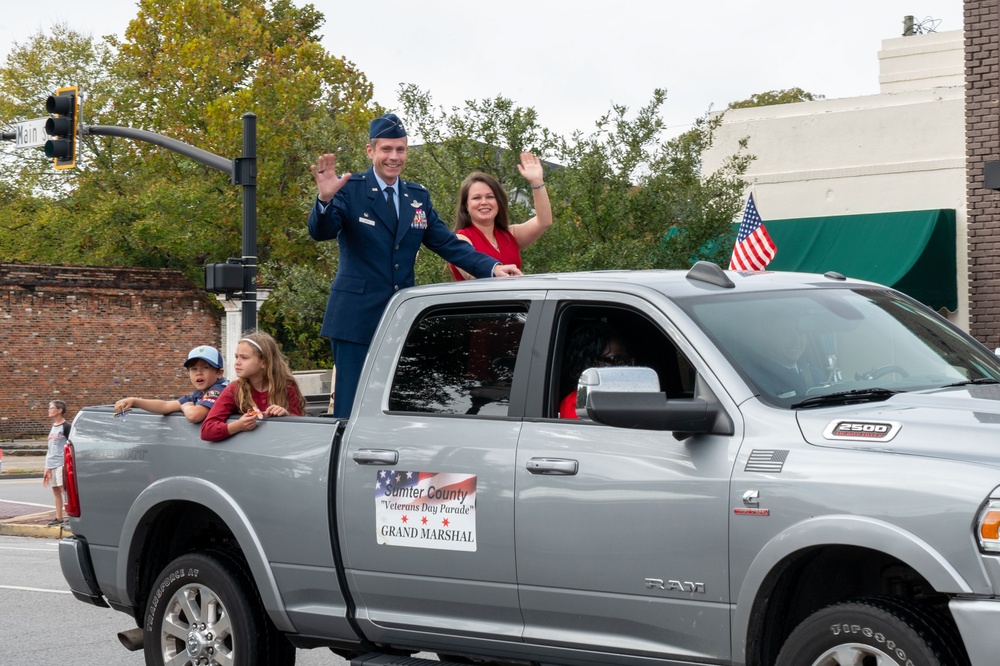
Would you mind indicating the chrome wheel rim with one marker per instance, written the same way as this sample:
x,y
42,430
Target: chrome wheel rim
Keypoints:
x,y
196,630
855,654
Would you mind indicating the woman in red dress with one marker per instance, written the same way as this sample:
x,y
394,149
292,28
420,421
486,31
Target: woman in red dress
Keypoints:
x,y
481,217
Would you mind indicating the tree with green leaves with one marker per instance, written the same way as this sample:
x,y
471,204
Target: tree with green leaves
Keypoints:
x,y
623,197
188,71
192,72
37,202
263,57
772,97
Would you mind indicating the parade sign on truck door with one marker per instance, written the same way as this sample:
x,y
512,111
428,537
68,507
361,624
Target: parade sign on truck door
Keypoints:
x,y
425,509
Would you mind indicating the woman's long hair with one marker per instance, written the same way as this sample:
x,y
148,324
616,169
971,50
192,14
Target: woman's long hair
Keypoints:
x,y
276,372
462,217
584,349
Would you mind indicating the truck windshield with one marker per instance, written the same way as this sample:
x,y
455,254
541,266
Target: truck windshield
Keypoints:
x,y
793,345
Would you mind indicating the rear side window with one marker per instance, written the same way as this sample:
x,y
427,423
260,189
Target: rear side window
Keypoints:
x,y
459,363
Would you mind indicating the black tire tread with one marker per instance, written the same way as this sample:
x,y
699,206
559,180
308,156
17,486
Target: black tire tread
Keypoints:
x,y
943,628
278,651
937,633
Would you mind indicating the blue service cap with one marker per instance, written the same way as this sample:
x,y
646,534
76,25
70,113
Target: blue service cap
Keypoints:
x,y
207,354
388,126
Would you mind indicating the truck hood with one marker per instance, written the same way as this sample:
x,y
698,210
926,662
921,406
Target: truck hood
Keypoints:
x,y
960,423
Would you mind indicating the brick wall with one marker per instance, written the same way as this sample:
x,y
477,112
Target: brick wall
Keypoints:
x,y
982,143
91,335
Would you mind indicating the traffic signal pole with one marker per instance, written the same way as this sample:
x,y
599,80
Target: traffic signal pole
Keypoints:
x,y
242,171
197,154
245,174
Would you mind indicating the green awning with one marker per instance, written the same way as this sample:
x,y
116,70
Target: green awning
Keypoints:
x,y
913,252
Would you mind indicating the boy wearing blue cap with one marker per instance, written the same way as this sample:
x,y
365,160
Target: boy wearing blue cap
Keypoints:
x,y
204,365
380,221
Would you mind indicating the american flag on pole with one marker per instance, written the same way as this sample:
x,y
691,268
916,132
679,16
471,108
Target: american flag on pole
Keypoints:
x,y
754,248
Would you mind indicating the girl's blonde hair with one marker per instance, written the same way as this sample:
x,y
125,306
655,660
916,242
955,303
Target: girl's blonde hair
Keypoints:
x,y
276,372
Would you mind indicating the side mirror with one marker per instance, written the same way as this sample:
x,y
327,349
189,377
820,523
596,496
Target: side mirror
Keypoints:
x,y
616,380
631,398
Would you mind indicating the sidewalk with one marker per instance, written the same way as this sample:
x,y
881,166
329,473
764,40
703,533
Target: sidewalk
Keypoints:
x,y
25,459
22,457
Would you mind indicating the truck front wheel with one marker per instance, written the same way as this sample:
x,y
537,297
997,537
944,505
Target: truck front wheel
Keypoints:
x,y
203,611
878,631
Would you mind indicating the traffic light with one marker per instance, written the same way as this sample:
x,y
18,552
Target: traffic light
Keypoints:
x,y
62,146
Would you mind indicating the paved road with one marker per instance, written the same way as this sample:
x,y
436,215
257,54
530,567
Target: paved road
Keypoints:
x,y
49,623
27,490
42,624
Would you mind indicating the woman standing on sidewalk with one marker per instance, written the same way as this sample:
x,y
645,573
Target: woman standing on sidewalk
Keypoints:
x,y
58,435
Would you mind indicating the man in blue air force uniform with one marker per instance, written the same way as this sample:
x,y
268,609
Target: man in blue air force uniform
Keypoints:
x,y
379,221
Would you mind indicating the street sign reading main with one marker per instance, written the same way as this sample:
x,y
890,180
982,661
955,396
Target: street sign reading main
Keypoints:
x,y
31,133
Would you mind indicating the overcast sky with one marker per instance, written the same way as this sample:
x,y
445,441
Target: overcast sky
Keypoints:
x,y
572,60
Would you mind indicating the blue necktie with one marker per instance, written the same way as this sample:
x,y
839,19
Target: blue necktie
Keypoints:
x,y
391,200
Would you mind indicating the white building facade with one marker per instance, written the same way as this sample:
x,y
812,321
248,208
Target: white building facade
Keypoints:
x,y
900,150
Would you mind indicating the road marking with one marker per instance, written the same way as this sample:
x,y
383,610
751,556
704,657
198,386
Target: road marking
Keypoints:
x,y
32,589
24,503
54,549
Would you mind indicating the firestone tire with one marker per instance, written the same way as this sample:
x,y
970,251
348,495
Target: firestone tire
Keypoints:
x,y
203,611
879,632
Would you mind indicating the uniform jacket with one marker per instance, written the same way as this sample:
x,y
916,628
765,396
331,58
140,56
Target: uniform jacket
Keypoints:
x,y
376,256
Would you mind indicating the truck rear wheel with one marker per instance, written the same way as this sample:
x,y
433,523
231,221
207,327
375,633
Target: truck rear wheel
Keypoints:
x,y
880,632
203,611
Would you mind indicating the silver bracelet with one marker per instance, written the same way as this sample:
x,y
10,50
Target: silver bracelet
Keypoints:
x,y
538,187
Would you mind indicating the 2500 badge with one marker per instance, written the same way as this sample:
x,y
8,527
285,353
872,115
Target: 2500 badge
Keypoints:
x,y
882,431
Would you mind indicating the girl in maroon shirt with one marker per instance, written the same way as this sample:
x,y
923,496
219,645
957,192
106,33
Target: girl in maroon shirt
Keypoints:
x,y
264,387
481,216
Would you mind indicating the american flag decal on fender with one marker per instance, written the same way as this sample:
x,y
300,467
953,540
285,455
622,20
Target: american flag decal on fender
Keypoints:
x,y
766,460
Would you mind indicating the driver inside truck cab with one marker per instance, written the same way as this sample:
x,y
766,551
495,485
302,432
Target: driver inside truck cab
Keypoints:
x,y
590,345
783,368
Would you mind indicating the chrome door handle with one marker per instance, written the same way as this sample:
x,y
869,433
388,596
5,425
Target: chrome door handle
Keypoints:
x,y
562,466
375,457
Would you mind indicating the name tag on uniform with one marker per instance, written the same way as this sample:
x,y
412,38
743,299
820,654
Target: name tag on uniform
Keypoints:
x,y
365,220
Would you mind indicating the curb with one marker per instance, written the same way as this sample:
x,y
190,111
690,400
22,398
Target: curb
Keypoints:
x,y
21,475
36,531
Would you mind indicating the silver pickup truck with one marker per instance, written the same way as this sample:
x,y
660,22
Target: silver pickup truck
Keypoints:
x,y
769,469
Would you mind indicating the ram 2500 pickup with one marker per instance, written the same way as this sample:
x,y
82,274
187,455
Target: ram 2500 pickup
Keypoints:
x,y
714,504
